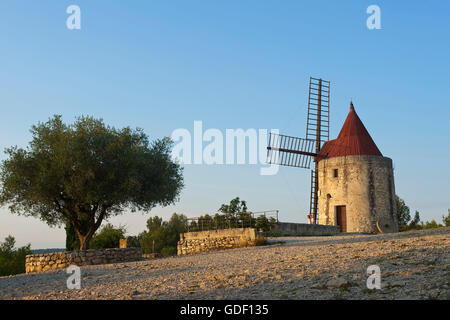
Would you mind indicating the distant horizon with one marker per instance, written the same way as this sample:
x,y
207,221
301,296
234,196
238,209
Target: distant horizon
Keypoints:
x,y
48,250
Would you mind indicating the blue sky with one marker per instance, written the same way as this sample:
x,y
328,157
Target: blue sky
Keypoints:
x,y
160,65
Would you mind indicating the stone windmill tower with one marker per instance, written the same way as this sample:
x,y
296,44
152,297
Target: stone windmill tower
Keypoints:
x,y
356,183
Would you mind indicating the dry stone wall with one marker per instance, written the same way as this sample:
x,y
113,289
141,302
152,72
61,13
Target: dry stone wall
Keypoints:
x,y
193,242
58,260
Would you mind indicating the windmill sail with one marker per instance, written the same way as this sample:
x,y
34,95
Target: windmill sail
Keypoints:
x,y
298,152
290,151
317,128
318,120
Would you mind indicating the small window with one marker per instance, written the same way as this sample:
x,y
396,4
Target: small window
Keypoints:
x,y
335,173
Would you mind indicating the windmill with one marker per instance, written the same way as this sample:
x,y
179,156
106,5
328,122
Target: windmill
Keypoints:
x,y
300,152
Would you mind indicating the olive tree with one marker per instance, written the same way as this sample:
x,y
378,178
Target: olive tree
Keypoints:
x,y
87,172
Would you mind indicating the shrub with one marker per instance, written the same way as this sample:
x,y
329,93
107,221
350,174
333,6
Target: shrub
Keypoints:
x,y
162,237
446,219
263,224
134,241
431,225
108,237
12,261
403,216
168,251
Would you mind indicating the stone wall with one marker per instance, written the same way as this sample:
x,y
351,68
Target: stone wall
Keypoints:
x,y
192,242
58,260
304,229
365,186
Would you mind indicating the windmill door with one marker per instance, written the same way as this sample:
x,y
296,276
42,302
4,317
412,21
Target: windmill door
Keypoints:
x,y
341,218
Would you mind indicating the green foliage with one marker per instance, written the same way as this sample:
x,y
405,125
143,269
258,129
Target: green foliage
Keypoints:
x,y
154,223
86,172
222,221
168,251
446,219
232,220
134,241
264,224
234,215
206,222
108,237
431,225
72,241
177,223
235,206
162,237
415,222
403,215
12,261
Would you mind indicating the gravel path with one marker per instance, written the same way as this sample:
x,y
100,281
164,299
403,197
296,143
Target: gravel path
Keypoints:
x,y
414,265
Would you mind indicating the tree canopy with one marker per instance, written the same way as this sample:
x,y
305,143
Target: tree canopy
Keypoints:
x,y
446,219
12,260
162,236
403,215
235,206
405,222
86,172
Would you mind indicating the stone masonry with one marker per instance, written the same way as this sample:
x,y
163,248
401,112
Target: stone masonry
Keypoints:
x,y
59,260
365,185
192,242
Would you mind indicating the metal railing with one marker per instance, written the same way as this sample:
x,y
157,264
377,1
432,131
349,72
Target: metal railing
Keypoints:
x,y
259,219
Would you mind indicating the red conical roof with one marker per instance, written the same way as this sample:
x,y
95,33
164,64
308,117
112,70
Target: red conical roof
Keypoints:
x,y
354,139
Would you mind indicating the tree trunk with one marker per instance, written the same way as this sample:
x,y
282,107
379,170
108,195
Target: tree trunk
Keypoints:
x,y
85,229
85,239
84,243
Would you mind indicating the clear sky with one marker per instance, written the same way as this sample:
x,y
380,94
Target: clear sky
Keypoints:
x,y
160,65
